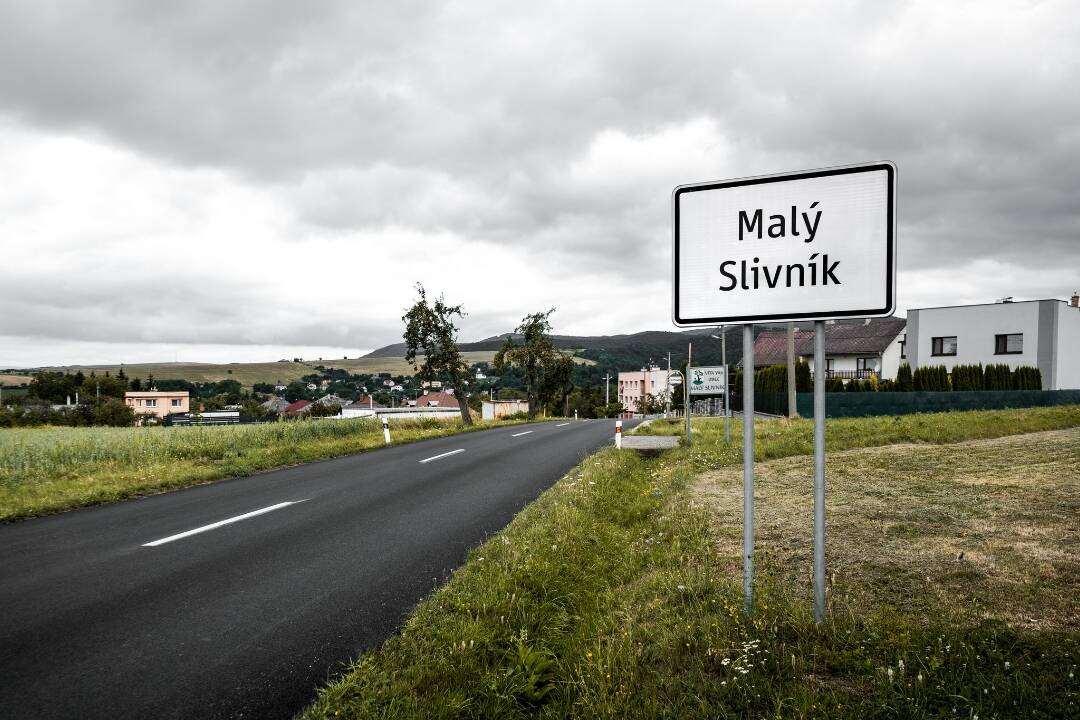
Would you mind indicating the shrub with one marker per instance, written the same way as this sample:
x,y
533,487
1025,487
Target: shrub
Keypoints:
x,y
772,379
834,384
804,381
933,378
967,377
115,413
1027,378
997,377
904,382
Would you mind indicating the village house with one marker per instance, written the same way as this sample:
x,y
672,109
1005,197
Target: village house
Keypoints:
x,y
635,384
158,403
873,346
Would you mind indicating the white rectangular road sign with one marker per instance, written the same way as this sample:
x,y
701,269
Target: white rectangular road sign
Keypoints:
x,y
707,380
816,244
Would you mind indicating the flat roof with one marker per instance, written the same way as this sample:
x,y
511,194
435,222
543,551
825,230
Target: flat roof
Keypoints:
x,y
153,393
1011,302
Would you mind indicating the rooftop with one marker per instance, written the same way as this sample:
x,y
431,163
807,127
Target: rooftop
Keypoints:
x,y
870,338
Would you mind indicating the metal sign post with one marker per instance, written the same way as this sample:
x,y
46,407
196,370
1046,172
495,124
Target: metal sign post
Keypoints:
x,y
686,388
748,467
812,245
819,471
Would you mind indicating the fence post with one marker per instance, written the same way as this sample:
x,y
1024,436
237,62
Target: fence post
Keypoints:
x,y
618,433
386,430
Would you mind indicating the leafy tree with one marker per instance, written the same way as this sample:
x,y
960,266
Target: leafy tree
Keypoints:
x,y
254,409
430,329
536,355
558,381
52,386
114,412
321,409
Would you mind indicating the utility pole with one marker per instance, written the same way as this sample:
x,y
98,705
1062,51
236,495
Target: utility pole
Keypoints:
x,y
607,397
792,411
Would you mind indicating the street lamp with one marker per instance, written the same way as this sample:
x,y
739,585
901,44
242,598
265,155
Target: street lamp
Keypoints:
x,y
723,359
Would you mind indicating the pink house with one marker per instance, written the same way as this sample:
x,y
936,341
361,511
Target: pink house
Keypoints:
x,y
159,403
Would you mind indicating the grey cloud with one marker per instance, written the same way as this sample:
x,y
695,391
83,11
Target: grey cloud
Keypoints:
x,y
471,119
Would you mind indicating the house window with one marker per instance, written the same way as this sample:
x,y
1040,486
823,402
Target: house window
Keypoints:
x,y
830,364
864,363
176,402
1009,344
903,348
151,403
943,345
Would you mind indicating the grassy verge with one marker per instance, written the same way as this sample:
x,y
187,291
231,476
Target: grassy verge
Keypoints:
x,y
46,470
618,593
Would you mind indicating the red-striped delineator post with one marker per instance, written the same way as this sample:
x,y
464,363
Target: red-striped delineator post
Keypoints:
x,y
618,433
386,430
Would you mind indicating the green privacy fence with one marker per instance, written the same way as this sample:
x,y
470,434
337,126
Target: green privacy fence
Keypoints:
x,y
904,403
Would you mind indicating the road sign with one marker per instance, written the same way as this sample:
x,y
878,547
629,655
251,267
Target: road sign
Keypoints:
x,y
674,378
707,380
816,244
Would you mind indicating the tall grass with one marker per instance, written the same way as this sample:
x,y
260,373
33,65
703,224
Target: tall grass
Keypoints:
x,y
49,469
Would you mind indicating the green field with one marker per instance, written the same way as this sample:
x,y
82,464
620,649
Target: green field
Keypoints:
x,y
953,586
50,469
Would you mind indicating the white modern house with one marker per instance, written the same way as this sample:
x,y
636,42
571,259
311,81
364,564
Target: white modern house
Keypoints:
x,y
853,350
1039,333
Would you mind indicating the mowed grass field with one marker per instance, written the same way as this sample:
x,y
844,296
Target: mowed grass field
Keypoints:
x,y
50,469
14,380
954,577
247,374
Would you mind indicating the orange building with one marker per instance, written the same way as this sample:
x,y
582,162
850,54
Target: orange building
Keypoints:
x,y
160,403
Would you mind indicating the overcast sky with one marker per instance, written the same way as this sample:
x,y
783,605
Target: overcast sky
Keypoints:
x,y
252,180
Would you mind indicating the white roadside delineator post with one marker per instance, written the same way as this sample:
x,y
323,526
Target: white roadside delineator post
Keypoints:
x,y
618,433
386,430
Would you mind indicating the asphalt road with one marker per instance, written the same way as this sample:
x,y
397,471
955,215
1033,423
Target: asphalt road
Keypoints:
x,y
119,611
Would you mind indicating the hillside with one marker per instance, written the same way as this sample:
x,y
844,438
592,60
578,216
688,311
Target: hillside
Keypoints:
x,y
606,352
269,372
621,352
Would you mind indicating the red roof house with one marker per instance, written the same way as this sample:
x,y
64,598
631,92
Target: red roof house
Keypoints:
x,y
437,399
297,408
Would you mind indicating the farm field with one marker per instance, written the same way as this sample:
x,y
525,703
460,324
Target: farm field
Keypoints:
x,y
953,565
56,468
269,372
14,380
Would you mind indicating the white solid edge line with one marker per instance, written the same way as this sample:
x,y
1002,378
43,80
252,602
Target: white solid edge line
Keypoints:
x,y
219,523
562,424
436,457
521,433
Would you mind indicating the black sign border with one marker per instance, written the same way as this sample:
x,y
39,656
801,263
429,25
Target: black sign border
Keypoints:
x,y
890,279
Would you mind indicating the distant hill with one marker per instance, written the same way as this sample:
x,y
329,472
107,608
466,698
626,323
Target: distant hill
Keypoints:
x,y
621,352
